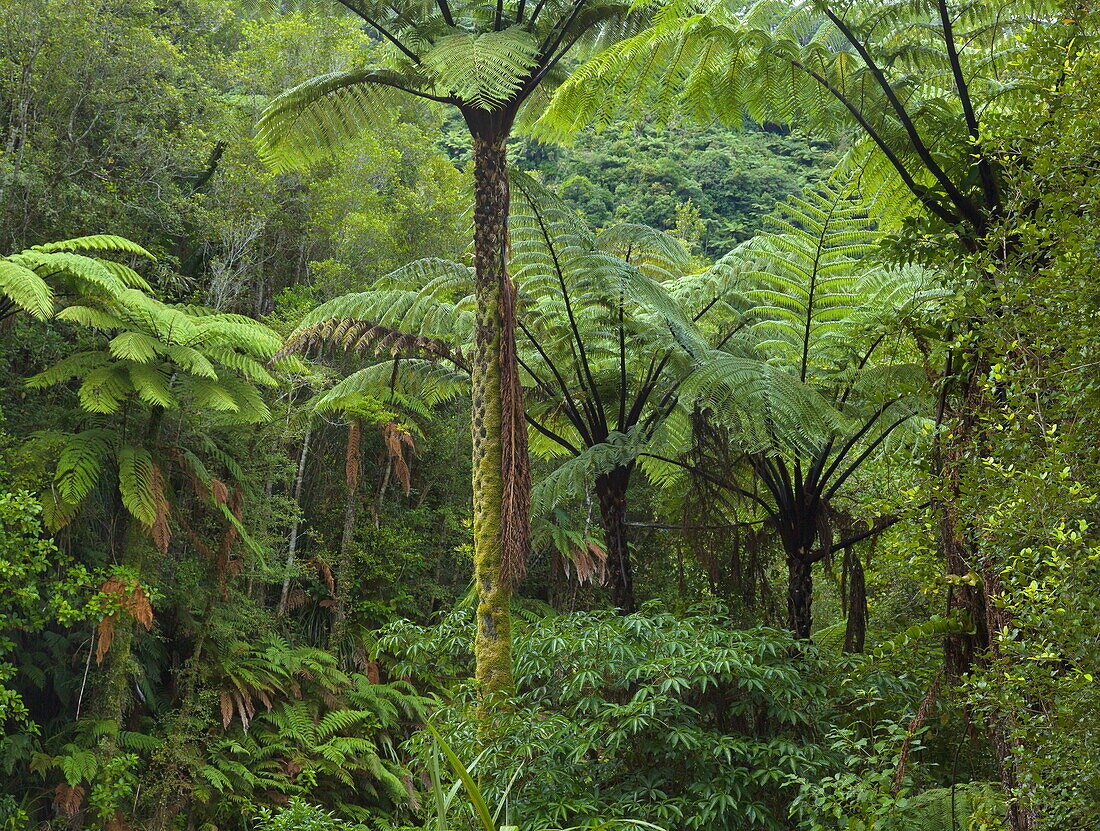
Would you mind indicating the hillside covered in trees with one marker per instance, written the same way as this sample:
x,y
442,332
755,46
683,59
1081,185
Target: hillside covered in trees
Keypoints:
x,y
549,415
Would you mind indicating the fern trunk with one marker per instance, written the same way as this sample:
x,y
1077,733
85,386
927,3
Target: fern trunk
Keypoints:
x,y
114,691
352,462
800,595
501,487
611,492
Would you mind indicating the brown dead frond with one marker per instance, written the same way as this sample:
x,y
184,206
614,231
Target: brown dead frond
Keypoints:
x,y
589,563
67,799
133,600
362,335
397,440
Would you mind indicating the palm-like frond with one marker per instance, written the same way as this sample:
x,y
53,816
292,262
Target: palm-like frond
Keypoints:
x,y
483,69
33,279
481,57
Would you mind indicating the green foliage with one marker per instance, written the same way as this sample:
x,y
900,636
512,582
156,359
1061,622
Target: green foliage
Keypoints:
x,y
299,815
32,279
678,721
28,601
649,174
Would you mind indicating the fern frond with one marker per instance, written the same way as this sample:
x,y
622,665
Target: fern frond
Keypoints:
x,y
138,484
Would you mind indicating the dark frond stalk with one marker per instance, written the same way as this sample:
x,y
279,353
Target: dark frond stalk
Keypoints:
x,y
810,297
445,10
964,204
572,412
985,171
382,30
582,353
903,172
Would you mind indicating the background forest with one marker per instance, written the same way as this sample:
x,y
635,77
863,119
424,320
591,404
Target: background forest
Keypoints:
x,y
766,334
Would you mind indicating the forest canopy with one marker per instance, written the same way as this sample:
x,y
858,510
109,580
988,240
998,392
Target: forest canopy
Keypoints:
x,y
549,415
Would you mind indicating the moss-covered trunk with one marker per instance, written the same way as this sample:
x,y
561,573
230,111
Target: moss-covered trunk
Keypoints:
x,y
501,485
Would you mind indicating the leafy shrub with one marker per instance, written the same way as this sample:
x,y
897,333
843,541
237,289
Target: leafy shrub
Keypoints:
x,y
681,721
301,816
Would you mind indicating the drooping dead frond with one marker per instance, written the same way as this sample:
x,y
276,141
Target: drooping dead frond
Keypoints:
x,y
133,600
396,440
589,563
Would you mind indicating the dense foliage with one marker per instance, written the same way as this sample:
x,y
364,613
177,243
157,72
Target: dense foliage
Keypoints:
x,y
795,300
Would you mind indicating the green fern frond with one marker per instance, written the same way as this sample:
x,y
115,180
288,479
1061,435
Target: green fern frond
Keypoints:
x,y
26,289
482,69
138,484
81,463
319,115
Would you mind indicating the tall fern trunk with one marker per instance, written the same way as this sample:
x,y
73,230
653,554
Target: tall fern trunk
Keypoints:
x,y
352,461
114,692
800,595
611,493
501,481
799,532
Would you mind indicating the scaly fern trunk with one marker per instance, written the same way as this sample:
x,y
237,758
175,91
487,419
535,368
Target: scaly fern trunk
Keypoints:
x,y
611,492
800,595
501,482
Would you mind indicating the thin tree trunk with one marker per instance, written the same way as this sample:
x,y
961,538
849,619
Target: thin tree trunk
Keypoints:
x,y
963,559
500,481
352,462
292,547
611,493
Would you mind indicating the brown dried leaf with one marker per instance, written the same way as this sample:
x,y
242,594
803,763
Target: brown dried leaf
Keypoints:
x,y
105,635
220,491
161,532
354,455
227,707
67,799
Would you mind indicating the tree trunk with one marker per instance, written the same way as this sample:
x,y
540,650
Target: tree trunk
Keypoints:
x,y
611,493
292,546
964,560
800,594
855,625
501,485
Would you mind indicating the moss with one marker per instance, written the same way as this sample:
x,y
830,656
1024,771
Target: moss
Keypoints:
x,y
493,642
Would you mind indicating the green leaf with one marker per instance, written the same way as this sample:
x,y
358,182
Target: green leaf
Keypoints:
x,y
136,482
26,289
